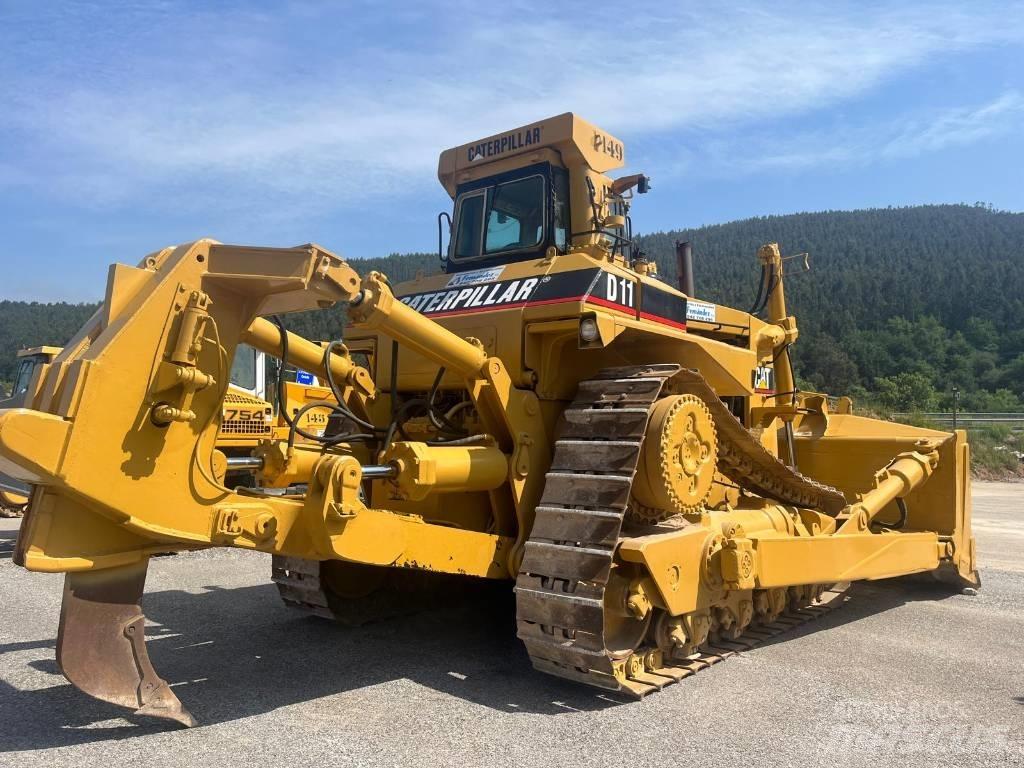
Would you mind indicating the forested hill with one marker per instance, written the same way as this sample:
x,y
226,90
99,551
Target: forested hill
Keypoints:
x,y
903,303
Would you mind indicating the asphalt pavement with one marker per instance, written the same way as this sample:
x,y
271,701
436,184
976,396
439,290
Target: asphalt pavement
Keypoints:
x,y
905,674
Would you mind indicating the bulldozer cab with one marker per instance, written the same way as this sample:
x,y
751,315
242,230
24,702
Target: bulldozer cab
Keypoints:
x,y
529,192
509,217
31,364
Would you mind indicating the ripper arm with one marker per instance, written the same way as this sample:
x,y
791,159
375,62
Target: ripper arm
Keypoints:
x,y
120,440
118,445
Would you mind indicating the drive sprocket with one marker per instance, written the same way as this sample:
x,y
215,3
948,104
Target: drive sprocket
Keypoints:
x,y
678,460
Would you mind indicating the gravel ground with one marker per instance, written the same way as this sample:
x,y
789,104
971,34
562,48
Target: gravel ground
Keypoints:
x,y
906,675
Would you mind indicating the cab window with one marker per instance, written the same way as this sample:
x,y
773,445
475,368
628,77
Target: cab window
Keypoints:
x,y
515,215
502,218
503,232
24,376
243,370
470,214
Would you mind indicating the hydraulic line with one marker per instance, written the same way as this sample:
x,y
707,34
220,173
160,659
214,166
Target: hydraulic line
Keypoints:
x,y
339,395
901,521
293,421
756,306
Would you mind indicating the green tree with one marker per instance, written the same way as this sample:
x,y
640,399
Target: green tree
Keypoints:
x,y
910,391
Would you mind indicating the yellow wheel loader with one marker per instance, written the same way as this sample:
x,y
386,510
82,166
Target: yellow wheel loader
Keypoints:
x,y
638,464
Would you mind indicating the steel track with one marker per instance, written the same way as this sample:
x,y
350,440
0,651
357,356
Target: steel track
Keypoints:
x,y
400,592
560,590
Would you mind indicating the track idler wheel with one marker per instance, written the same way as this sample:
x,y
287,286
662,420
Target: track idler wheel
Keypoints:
x,y
101,643
627,614
678,459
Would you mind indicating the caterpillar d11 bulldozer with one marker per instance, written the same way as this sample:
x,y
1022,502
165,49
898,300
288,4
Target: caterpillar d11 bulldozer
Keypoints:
x,y
546,411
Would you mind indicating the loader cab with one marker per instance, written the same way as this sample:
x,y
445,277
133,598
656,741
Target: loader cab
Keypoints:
x,y
511,216
29,362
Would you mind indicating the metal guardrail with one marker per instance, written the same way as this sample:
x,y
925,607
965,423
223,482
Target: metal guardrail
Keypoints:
x,y
965,419
11,486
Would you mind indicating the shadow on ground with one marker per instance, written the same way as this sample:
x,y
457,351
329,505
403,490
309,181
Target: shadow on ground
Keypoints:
x,y
235,653
868,598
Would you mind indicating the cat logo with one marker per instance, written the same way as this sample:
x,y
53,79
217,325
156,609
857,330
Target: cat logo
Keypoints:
x,y
764,380
503,144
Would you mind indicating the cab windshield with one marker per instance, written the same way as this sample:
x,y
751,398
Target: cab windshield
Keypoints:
x,y
243,370
24,376
501,218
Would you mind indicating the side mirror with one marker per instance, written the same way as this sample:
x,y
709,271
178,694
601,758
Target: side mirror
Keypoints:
x,y
622,185
440,235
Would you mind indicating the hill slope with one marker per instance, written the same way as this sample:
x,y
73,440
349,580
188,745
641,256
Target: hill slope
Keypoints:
x,y
904,303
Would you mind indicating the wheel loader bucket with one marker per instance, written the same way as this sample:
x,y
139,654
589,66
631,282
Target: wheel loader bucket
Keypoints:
x,y
101,643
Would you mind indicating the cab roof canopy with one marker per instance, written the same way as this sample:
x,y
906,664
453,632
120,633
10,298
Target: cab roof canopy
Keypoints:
x,y
576,140
31,351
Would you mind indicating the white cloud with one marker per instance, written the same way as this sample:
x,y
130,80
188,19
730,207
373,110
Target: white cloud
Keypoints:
x,y
863,143
965,125
241,110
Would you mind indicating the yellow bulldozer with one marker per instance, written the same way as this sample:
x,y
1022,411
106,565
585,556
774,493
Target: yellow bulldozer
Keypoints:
x,y
637,463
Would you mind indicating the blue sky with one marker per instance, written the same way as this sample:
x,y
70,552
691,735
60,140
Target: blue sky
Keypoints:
x,y
125,127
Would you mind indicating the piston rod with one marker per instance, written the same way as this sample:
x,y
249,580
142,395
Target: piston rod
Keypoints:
x,y
379,471
255,463
245,462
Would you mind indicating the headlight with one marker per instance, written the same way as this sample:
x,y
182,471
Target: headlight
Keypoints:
x,y
588,330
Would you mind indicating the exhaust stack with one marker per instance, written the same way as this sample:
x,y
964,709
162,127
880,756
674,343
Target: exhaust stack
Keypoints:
x,y
684,263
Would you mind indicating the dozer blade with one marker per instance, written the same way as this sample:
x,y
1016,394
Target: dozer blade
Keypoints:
x,y
101,643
